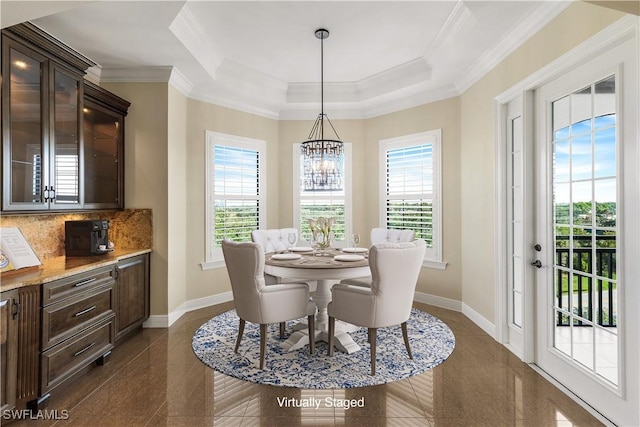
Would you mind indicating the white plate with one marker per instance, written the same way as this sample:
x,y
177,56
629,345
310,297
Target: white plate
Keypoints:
x,y
348,257
283,257
302,249
354,250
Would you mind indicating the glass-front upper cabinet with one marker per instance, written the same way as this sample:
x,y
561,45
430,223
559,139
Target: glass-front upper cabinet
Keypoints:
x,y
62,136
24,133
103,118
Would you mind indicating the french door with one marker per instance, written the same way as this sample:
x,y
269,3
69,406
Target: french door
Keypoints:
x,y
587,214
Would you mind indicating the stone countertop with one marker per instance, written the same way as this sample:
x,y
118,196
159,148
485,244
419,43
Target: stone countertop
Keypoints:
x,y
61,267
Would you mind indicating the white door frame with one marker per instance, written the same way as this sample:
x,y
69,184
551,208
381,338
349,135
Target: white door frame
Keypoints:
x,y
625,29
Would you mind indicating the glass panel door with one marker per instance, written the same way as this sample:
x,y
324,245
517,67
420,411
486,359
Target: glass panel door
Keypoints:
x,y
585,228
65,189
586,221
102,143
24,152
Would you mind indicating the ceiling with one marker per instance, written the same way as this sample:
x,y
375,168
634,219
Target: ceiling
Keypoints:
x,y
263,57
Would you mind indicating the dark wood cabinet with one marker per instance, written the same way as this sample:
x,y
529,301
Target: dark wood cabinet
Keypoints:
x,y
104,115
52,331
19,346
77,324
132,294
8,349
62,137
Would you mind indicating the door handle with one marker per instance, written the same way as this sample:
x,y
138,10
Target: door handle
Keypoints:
x,y
537,264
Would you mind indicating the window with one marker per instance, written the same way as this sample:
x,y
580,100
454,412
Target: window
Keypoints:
x,y
235,191
410,188
313,204
66,172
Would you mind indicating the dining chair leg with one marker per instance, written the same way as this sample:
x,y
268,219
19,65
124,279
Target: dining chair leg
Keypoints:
x,y
332,327
263,343
240,332
281,330
405,335
372,341
311,321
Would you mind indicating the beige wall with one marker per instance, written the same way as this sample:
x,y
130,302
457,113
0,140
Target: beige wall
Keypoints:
x,y
146,173
177,198
477,150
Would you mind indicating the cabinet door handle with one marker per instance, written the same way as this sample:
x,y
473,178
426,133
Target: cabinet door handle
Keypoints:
x,y
84,282
15,309
79,352
85,311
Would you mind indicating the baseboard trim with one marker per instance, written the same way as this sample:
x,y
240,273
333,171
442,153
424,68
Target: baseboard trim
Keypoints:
x,y
164,321
156,321
442,302
479,320
196,304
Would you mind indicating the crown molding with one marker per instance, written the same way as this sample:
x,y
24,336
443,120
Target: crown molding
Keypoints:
x,y
136,75
522,32
392,80
189,32
457,19
235,103
180,82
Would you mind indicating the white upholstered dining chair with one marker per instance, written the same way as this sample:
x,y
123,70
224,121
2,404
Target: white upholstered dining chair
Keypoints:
x,y
276,240
391,235
382,235
257,303
387,302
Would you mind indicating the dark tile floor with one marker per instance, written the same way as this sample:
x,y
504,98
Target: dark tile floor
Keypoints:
x,y
154,379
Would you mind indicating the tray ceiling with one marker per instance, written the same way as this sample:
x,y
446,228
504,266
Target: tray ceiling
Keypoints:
x,y
262,57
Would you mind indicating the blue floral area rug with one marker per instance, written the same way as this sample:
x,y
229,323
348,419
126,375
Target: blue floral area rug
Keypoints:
x,y
431,343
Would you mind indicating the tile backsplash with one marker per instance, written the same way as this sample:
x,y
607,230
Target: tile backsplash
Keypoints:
x,y
129,229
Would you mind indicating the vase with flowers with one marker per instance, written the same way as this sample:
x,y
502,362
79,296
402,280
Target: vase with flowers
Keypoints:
x,y
322,230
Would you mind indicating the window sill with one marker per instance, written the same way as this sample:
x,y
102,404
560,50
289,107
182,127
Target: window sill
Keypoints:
x,y
211,265
436,265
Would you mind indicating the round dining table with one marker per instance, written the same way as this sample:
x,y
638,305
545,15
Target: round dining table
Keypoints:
x,y
326,270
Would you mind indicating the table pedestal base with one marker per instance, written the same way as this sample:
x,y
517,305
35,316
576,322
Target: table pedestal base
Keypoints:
x,y
342,339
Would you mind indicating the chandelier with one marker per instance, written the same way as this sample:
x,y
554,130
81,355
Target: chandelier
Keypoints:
x,y
323,157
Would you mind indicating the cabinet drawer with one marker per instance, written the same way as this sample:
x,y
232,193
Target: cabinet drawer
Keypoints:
x,y
64,360
68,317
70,286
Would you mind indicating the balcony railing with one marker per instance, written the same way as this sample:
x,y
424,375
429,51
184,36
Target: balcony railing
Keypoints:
x,y
582,286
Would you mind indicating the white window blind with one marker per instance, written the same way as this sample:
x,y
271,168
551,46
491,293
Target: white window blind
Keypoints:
x,y
66,170
235,190
410,187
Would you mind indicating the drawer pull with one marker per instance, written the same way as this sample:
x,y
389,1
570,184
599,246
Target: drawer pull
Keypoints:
x,y
85,311
79,352
84,282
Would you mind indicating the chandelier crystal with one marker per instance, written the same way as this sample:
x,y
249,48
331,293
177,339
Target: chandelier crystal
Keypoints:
x,y
322,157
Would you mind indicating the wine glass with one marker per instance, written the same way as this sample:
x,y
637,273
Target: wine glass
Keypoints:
x,y
355,239
291,237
